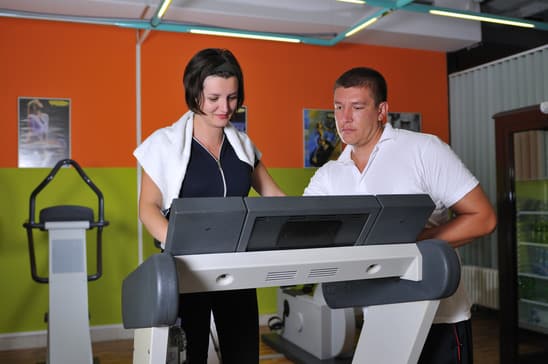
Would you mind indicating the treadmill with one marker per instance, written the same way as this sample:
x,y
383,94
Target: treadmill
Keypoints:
x,y
361,248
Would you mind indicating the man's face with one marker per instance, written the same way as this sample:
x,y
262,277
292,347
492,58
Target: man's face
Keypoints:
x,y
358,119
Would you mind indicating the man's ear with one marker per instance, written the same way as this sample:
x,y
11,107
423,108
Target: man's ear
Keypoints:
x,y
383,111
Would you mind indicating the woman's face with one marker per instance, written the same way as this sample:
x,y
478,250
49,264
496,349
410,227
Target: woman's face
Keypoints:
x,y
219,100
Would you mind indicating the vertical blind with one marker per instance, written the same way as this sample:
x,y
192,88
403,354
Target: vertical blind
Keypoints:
x,y
475,95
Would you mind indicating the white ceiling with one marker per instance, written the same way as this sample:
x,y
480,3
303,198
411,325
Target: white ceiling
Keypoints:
x,y
322,19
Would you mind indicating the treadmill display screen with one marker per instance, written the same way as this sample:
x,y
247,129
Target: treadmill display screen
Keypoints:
x,y
296,234
311,231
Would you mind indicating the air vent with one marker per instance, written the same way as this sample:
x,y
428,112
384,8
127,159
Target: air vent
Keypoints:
x,y
282,275
323,272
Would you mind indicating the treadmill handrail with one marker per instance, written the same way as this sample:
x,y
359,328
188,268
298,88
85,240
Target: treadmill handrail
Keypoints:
x,y
427,270
440,278
64,162
32,224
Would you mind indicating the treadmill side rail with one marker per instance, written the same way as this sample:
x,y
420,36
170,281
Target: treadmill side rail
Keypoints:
x,y
229,271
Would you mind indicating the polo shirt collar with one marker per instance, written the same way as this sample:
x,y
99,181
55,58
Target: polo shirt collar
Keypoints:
x,y
387,134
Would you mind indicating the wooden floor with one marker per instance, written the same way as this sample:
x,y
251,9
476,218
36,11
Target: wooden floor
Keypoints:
x,y
485,331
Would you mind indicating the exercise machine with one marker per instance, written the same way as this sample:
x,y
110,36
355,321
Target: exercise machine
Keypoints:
x,y
361,248
306,329
68,333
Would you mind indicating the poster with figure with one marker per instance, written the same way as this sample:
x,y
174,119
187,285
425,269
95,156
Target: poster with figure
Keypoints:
x,y
405,120
44,131
239,119
321,141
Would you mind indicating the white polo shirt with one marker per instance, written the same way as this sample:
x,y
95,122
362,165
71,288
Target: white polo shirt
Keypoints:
x,y
405,162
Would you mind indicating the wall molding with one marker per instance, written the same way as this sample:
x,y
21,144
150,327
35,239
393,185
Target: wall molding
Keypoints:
x,y
38,339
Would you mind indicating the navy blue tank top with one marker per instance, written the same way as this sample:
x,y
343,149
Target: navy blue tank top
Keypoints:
x,y
207,177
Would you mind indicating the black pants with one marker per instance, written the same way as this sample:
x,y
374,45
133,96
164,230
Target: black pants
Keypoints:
x,y
448,344
236,317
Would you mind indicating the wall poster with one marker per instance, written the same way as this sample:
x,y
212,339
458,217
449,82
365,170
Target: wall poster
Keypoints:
x,y
405,120
321,141
44,131
239,119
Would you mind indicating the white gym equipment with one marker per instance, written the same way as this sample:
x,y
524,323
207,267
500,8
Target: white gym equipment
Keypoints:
x,y
308,323
361,248
68,334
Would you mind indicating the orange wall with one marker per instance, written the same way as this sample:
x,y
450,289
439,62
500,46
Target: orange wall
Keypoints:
x,y
95,67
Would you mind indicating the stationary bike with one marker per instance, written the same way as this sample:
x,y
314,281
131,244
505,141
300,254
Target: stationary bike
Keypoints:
x,y
68,334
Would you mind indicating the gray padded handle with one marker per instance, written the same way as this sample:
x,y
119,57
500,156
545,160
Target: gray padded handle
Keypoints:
x,y
440,279
150,294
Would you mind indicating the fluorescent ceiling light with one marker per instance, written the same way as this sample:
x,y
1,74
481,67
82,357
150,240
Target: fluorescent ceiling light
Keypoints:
x,y
481,18
160,13
366,24
163,8
245,35
352,1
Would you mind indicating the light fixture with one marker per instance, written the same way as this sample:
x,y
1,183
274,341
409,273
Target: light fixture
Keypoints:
x,y
160,13
489,19
361,2
223,33
362,26
544,107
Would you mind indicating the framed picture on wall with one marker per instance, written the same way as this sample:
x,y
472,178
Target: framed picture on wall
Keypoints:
x,y
239,119
321,141
44,131
405,120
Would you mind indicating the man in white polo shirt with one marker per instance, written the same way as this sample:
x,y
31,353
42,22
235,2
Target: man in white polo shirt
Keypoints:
x,y
379,159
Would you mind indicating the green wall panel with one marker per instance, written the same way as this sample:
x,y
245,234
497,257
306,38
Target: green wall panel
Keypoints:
x,y
24,301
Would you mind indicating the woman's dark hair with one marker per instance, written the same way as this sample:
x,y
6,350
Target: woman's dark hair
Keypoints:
x,y
210,62
365,77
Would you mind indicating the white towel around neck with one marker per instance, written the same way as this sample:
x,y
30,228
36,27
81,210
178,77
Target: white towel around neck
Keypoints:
x,y
164,155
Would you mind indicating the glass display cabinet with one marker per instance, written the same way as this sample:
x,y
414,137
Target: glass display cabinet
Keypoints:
x,y
522,206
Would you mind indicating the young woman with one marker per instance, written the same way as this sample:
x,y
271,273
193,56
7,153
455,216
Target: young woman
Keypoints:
x,y
204,155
